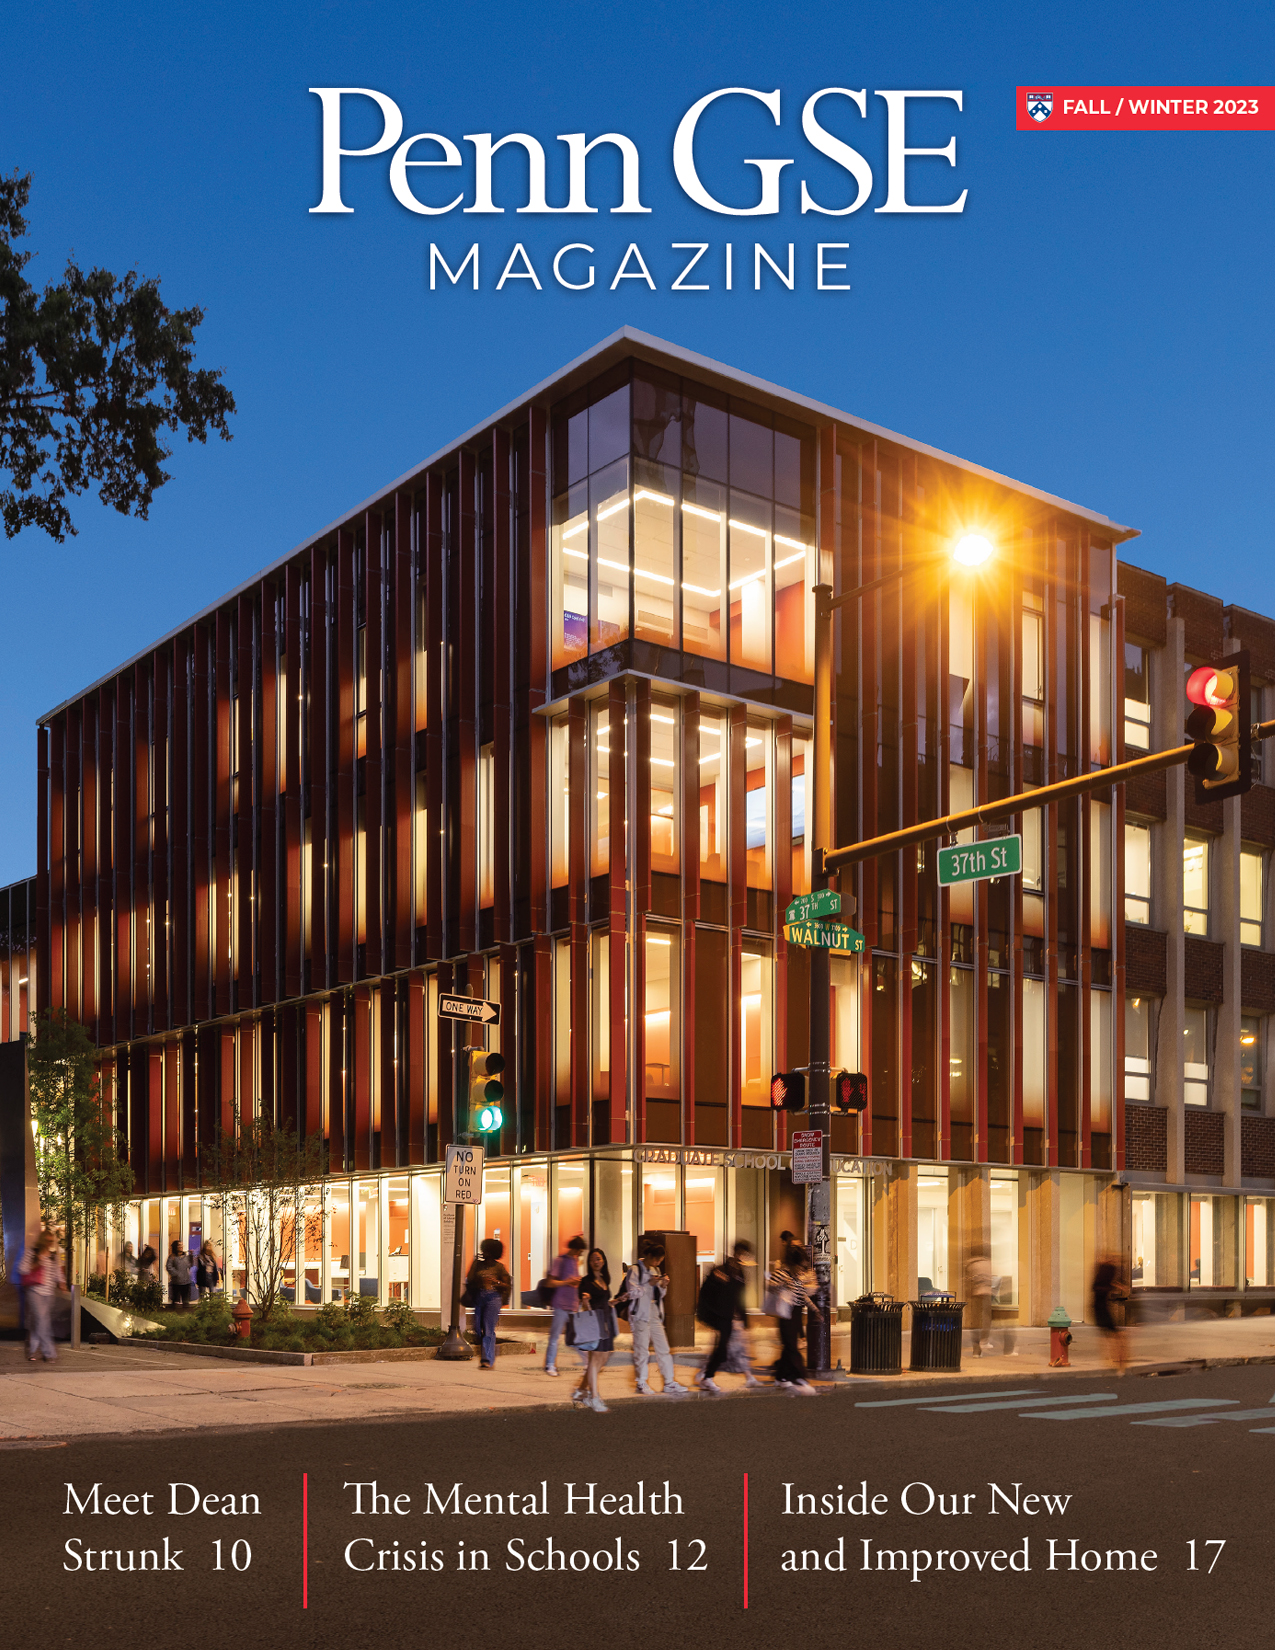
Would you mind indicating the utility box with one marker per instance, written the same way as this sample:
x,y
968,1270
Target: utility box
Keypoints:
x,y
683,1285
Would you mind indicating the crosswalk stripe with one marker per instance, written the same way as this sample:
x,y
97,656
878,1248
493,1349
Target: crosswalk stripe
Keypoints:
x,y
1026,1403
939,1398
1206,1420
1128,1409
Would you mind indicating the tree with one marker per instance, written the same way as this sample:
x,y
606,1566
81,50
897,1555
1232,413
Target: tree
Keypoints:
x,y
92,372
262,1173
81,1172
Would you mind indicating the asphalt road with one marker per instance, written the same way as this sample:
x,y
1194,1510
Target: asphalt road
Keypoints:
x,y
1124,1483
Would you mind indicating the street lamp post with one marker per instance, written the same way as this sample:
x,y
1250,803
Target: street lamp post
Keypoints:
x,y
971,550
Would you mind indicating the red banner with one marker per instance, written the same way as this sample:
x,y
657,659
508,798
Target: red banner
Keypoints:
x,y
1042,107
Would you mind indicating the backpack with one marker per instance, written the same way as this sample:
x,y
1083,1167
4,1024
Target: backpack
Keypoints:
x,y
545,1290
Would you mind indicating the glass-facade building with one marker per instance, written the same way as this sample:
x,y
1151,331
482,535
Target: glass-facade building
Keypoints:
x,y
536,722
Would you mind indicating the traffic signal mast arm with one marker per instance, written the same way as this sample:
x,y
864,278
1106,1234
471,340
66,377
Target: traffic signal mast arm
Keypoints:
x,y
1101,779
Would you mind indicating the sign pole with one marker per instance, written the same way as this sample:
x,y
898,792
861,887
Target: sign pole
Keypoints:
x,y
819,1204
456,1347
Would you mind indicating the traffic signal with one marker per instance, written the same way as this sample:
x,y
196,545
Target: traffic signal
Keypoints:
x,y
486,1091
1221,729
788,1091
850,1091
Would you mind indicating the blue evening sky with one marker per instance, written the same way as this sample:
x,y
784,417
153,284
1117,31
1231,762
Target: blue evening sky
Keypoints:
x,y
1097,322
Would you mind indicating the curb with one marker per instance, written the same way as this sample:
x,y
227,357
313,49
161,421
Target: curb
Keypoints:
x,y
360,1355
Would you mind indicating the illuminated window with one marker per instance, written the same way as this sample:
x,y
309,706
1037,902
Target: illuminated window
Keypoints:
x,y
1252,895
796,575
600,789
703,567
1137,697
1251,1038
663,1016
802,815
486,826
1137,1048
1033,669
1195,1057
666,790
960,678
1137,873
750,582
655,515
713,815
559,803
755,1024
758,755
1195,885
612,578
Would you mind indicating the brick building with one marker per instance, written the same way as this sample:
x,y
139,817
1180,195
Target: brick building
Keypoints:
x,y
535,721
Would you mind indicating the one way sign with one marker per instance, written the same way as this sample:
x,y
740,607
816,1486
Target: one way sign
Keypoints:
x,y
475,1009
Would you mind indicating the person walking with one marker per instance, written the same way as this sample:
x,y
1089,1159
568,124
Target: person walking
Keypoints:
x,y
489,1285
207,1271
146,1265
645,1286
565,1271
128,1261
594,1295
721,1307
41,1276
1107,1292
177,1267
788,1294
978,1301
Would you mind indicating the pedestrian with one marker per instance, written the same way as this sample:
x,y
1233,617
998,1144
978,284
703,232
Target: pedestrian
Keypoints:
x,y
207,1271
1107,1291
146,1265
489,1285
128,1261
978,1301
595,1339
41,1276
565,1272
788,1293
178,1268
721,1307
645,1287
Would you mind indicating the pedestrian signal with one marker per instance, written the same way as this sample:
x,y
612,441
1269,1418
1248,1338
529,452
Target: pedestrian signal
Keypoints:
x,y
485,1091
1220,729
788,1091
850,1091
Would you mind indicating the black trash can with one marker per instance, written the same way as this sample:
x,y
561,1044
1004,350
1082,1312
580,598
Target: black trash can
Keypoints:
x,y
936,1332
876,1335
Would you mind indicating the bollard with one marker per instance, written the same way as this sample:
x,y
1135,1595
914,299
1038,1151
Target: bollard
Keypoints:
x,y
242,1314
1059,1339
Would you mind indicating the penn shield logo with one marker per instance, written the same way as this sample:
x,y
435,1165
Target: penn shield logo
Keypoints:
x,y
1040,105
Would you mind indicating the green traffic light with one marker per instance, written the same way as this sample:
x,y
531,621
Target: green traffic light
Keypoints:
x,y
490,1118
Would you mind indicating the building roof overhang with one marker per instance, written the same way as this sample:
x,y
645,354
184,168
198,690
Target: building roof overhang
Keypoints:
x,y
625,342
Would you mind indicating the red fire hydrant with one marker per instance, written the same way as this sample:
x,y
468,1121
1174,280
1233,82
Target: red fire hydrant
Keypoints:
x,y
242,1314
1059,1339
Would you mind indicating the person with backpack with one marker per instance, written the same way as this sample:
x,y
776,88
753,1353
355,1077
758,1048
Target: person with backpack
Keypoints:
x,y
563,1276
787,1293
721,1307
207,1271
488,1286
41,1276
641,1300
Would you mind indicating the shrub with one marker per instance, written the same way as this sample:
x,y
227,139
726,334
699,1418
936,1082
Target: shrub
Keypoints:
x,y
399,1316
360,1311
97,1285
330,1317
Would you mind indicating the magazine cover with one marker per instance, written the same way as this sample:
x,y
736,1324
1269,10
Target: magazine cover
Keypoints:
x,y
637,953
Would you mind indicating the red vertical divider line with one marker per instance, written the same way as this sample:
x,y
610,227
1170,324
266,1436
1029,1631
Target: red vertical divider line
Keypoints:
x,y
305,1540
745,1541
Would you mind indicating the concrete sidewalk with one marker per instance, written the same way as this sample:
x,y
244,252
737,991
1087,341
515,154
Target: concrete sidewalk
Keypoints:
x,y
111,1390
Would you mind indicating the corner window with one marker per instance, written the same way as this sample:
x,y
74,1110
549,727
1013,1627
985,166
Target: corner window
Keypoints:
x,y
1252,895
1137,1048
1251,1039
1137,697
1195,1057
1195,885
1137,873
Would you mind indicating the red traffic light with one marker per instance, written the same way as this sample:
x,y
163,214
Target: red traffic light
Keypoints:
x,y
1220,729
850,1091
788,1091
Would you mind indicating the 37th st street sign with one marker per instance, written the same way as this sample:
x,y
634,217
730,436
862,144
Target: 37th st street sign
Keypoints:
x,y
1000,856
824,902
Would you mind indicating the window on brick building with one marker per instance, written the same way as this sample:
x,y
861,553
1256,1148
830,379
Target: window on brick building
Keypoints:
x,y
1195,885
1137,873
1195,1057
1137,696
1252,895
1137,1048
1251,1038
